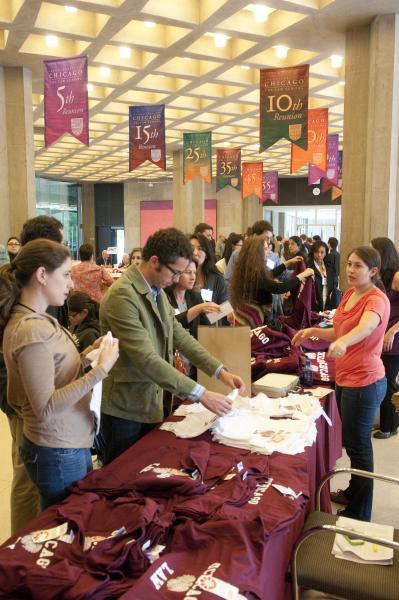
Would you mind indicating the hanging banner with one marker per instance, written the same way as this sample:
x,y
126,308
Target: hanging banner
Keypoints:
x,y
252,179
197,156
284,95
147,135
316,154
336,170
337,190
270,186
228,168
65,99
314,174
331,175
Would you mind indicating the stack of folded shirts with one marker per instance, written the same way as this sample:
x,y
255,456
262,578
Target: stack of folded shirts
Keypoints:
x,y
360,551
257,433
194,424
276,385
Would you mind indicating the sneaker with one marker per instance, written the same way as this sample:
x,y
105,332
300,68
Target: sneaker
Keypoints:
x,y
384,435
339,497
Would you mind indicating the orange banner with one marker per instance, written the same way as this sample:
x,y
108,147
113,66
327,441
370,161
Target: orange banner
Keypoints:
x,y
316,154
251,179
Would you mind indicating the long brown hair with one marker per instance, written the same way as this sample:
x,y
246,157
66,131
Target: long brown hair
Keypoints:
x,y
16,275
372,259
249,272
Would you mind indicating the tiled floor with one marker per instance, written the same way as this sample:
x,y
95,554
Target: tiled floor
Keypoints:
x,y
386,497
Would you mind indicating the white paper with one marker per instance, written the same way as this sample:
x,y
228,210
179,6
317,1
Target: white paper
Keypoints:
x,y
225,309
361,551
270,264
206,295
95,402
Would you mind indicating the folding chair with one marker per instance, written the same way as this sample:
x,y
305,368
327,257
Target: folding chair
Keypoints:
x,y
313,565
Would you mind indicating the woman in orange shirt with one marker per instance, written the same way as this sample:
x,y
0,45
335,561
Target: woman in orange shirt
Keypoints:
x,y
357,338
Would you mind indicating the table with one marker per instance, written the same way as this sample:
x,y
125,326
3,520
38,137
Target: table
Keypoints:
x,y
236,530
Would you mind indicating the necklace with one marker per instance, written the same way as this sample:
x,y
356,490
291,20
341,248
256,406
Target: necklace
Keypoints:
x,y
28,307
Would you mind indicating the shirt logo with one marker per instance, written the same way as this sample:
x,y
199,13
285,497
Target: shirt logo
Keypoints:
x,y
180,584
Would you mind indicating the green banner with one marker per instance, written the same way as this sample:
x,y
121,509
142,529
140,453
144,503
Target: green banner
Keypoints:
x,y
197,156
284,95
228,168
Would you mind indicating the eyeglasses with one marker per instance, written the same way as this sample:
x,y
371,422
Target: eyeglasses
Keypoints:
x,y
13,244
173,271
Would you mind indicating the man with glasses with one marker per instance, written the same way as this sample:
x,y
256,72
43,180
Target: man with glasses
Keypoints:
x,y
137,312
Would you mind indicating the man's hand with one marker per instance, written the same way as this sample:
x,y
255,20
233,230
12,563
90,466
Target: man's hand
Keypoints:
x,y
217,403
232,381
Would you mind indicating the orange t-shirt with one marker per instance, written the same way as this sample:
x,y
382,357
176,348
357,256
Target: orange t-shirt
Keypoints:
x,y
361,365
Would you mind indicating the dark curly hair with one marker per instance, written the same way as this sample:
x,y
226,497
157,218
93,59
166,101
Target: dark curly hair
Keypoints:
x,y
389,259
168,245
42,226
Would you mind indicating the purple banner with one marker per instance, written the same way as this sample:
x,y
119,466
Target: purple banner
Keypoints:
x,y
332,158
314,174
340,157
270,186
147,135
65,99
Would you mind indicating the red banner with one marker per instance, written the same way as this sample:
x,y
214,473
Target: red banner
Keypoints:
x,y
65,99
147,135
284,95
316,154
252,179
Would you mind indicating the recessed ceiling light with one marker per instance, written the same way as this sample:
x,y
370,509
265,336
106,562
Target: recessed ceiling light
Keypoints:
x,y
336,61
226,144
52,41
220,40
245,67
341,82
187,57
125,52
150,24
150,185
70,9
90,87
105,71
281,51
260,12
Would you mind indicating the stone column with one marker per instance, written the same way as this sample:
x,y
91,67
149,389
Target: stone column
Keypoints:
x,y
188,199
132,215
18,132
229,211
252,211
88,215
371,134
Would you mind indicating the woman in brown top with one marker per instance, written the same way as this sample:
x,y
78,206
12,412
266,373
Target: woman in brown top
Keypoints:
x,y
46,384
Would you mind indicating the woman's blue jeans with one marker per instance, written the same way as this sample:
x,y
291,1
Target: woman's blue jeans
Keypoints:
x,y
54,470
358,407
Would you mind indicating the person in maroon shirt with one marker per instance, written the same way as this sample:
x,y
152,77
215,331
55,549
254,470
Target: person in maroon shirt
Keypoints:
x,y
389,418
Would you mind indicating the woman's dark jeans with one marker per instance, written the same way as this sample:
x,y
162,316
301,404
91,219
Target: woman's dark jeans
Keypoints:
x,y
358,407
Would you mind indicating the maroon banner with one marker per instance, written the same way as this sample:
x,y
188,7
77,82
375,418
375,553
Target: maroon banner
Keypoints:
x,y
147,135
65,99
252,179
270,186
284,96
228,168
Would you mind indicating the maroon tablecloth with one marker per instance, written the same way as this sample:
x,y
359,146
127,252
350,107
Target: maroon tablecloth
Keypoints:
x,y
215,528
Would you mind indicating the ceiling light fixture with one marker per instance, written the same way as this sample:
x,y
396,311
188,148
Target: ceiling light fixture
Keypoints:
x,y
341,82
260,13
245,67
124,52
105,71
220,40
187,58
52,41
336,61
71,9
90,87
281,51
150,24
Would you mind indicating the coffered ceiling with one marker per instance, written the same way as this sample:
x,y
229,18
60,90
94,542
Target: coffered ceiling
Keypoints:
x,y
201,58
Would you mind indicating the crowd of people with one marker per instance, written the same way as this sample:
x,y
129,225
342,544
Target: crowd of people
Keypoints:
x,y
53,315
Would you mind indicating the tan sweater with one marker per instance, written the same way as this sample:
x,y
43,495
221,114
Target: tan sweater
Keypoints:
x,y
46,385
